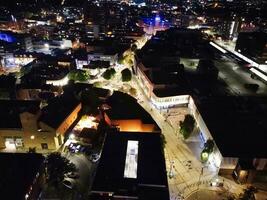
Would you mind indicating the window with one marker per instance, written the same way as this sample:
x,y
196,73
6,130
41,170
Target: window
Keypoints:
x,y
44,145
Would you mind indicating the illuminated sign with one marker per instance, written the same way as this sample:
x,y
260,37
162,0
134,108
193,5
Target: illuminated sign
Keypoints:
x,y
6,37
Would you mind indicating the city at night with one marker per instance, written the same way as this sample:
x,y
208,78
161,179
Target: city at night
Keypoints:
x,y
133,100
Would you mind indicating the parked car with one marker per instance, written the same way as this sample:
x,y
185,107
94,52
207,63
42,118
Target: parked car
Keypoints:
x,y
69,183
77,147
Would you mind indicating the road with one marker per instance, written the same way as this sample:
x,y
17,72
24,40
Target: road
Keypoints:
x,y
185,176
186,166
236,76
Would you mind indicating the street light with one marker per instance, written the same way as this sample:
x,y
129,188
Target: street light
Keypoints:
x,y
72,136
46,45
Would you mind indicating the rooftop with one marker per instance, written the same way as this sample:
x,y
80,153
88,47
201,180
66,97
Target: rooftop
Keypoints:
x,y
10,112
58,109
237,124
18,171
150,181
123,106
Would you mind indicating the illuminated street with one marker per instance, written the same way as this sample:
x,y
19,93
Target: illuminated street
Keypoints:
x,y
133,99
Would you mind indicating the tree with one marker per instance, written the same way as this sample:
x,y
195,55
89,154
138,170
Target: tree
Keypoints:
x,y
109,73
187,126
133,91
121,60
112,71
57,166
78,75
126,75
90,101
208,149
133,47
209,145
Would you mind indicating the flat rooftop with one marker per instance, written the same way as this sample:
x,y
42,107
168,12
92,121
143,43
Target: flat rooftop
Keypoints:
x,y
10,112
237,124
132,164
18,171
123,106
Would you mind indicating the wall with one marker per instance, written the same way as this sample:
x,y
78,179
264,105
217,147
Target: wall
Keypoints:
x,y
9,133
68,121
133,125
216,157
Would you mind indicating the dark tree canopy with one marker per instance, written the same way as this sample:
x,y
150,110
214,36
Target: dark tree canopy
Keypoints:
x,y
109,73
187,126
126,75
57,166
78,75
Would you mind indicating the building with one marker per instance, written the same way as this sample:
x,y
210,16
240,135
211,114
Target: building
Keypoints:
x,y
229,29
127,115
108,56
162,78
23,41
132,166
220,115
57,117
25,126
240,138
22,176
253,45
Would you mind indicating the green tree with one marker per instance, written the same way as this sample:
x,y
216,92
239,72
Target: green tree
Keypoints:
x,y
126,75
133,47
78,75
187,126
121,60
112,71
209,145
109,73
82,76
133,91
208,149
57,166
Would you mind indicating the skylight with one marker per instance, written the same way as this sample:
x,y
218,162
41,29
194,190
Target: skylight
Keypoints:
x,y
130,170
